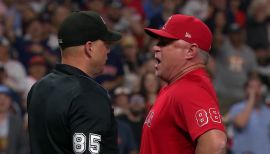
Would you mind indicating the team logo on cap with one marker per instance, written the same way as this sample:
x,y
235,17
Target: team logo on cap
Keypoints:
x,y
188,35
103,20
164,27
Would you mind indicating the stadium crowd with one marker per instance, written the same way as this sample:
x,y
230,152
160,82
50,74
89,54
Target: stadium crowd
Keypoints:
x,y
239,63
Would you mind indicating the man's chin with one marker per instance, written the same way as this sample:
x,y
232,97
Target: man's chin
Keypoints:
x,y
157,73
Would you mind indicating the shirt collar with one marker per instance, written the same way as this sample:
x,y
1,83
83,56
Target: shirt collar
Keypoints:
x,y
71,70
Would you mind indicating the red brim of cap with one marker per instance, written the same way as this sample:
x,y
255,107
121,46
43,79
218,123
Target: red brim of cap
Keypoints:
x,y
157,33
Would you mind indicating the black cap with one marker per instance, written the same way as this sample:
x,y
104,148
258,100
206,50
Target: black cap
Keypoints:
x,y
83,26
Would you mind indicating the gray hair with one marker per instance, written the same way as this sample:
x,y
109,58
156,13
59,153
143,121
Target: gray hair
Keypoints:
x,y
204,56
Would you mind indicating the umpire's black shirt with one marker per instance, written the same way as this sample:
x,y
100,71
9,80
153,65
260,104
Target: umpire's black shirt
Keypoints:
x,y
70,113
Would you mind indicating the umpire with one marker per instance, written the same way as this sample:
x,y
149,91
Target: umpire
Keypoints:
x,y
68,111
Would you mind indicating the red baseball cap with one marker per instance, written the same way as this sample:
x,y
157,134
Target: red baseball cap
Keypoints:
x,y
187,28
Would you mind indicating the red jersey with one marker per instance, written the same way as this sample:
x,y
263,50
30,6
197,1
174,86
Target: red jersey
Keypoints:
x,y
183,111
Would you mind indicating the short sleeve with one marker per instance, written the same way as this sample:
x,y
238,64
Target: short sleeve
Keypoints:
x,y
197,112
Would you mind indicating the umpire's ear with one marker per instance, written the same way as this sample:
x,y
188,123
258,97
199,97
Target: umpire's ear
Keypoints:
x,y
191,51
88,49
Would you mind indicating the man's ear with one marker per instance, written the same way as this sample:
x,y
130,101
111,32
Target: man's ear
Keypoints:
x,y
192,51
88,49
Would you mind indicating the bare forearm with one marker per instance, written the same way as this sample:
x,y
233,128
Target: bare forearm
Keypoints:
x,y
242,118
212,142
202,149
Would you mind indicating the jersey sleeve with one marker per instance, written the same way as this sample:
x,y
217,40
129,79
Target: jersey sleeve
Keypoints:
x,y
197,111
91,124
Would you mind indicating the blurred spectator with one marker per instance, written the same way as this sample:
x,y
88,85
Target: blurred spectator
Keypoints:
x,y
148,61
36,70
235,14
179,6
235,61
113,74
4,79
158,20
121,96
50,26
136,115
37,5
13,139
58,15
3,8
136,6
220,5
137,30
114,18
149,89
126,141
251,121
152,7
131,62
27,14
95,5
14,69
3,74
50,33
245,5
197,8
34,43
219,27
31,43
148,66
263,59
257,26
12,18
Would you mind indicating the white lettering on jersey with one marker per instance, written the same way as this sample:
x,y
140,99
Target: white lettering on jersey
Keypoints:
x,y
94,145
201,117
79,143
214,115
149,118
